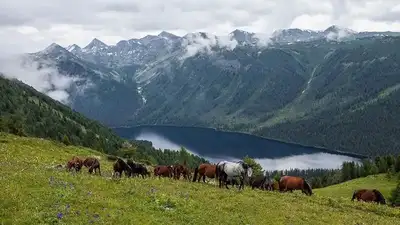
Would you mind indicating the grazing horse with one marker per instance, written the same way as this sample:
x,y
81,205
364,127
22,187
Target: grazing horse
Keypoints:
x,y
75,163
230,170
121,166
369,195
290,183
137,168
259,181
204,170
93,164
163,171
181,169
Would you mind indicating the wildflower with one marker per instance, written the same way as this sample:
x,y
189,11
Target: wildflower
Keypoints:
x,y
59,215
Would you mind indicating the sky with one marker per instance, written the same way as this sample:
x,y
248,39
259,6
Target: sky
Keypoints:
x,y
29,26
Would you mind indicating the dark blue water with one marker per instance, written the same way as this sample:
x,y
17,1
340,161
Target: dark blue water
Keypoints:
x,y
218,145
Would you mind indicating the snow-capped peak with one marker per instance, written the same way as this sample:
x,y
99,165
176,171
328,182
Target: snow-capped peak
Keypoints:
x,y
167,35
54,47
96,43
72,48
336,29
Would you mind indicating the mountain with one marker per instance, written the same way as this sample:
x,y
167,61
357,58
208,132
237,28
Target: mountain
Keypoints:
x,y
98,90
335,88
27,112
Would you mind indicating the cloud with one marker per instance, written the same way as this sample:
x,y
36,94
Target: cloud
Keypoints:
x,y
204,43
44,78
27,26
306,161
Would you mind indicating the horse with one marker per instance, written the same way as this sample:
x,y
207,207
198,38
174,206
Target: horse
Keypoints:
x,y
204,170
149,168
259,181
120,166
164,171
75,163
230,170
290,183
93,164
369,195
271,185
137,168
181,169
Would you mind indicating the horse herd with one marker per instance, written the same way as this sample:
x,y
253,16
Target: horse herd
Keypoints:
x,y
226,172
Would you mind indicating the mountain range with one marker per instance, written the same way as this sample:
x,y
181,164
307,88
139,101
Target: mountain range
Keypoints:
x,y
335,88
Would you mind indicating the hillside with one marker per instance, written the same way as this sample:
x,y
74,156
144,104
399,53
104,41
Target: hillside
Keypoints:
x,y
36,193
344,190
304,87
25,111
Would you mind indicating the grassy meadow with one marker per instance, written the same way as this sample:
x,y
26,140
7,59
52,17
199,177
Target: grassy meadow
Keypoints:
x,y
32,192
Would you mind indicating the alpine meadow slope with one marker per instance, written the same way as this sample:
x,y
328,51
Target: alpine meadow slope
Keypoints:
x,y
336,88
27,112
36,192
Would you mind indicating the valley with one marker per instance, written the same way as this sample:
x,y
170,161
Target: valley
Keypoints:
x,y
312,88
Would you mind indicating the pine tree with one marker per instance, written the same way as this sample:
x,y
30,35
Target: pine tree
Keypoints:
x,y
395,196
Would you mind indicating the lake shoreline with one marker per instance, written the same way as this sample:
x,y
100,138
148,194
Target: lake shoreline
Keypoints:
x,y
321,149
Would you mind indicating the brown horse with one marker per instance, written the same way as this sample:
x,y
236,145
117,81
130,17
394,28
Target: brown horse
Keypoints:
x,y
369,195
181,169
75,163
163,171
290,183
121,166
204,170
93,164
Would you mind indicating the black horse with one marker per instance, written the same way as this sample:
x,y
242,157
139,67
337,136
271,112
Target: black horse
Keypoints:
x,y
138,169
121,166
259,181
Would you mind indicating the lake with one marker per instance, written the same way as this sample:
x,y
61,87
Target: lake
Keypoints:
x,y
216,145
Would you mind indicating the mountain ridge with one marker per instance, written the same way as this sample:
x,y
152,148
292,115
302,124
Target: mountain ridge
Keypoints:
x,y
285,90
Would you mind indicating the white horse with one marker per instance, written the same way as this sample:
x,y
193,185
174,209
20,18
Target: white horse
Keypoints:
x,y
227,170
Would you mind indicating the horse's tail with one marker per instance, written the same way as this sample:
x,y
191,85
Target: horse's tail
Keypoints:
x,y
379,197
196,171
307,186
216,171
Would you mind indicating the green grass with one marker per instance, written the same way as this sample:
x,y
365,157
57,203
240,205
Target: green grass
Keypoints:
x,y
345,190
27,196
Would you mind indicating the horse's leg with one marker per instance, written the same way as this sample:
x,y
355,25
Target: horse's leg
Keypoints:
x,y
226,181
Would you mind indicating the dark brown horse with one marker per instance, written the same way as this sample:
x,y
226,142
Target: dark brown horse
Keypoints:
x,y
75,163
290,183
204,170
181,169
121,166
93,164
369,195
163,171
259,182
138,168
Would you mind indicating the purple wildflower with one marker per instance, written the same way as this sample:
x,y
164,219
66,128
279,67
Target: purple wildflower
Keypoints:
x,y
59,215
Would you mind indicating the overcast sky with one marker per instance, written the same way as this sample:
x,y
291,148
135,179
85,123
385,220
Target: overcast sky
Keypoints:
x,y
27,26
